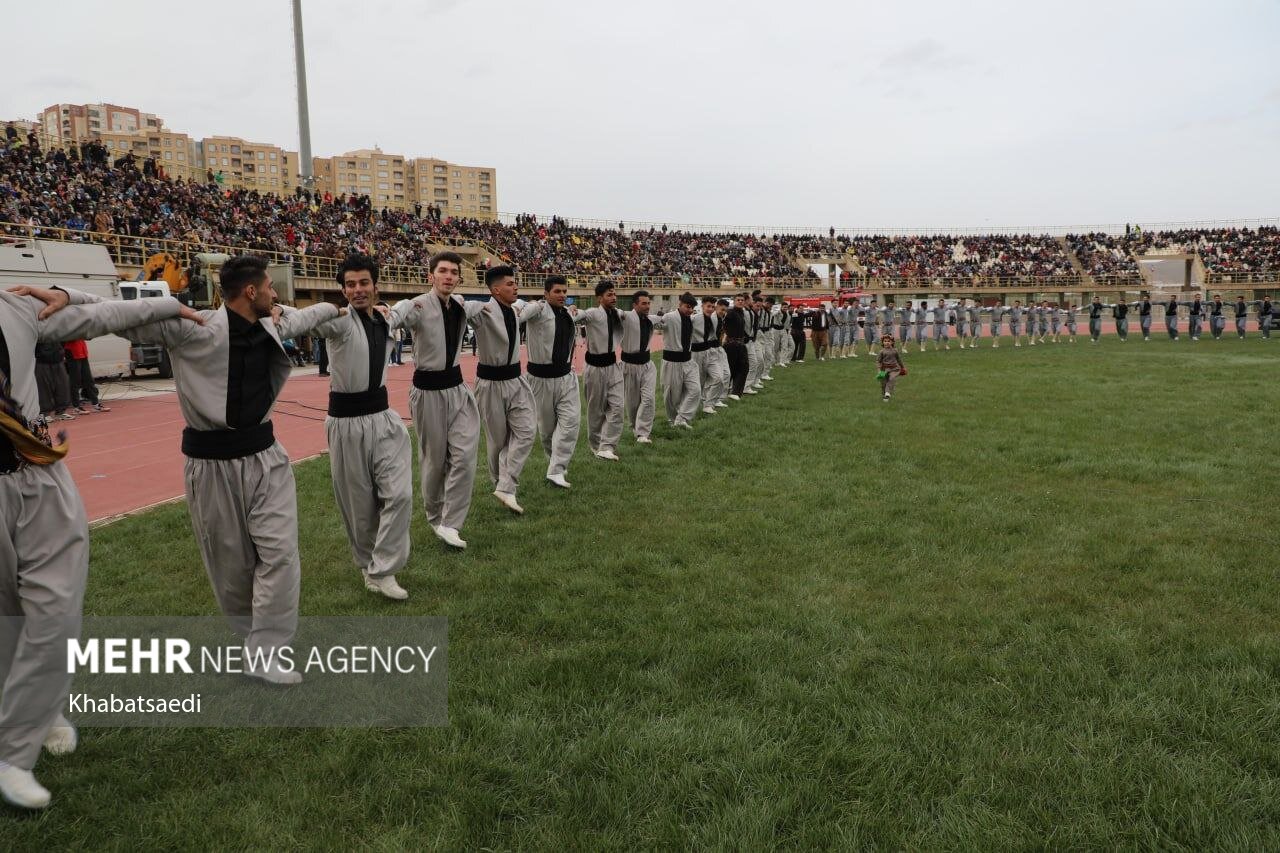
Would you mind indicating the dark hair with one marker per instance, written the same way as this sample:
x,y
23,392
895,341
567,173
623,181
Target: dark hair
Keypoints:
x,y
552,281
640,294
769,300
603,286
240,272
724,302
708,299
354,263
495,274
438,257
686,298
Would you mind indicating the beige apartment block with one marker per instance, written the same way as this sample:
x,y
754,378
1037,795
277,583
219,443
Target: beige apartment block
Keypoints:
x,y
249,165
78,122
368,171
470,191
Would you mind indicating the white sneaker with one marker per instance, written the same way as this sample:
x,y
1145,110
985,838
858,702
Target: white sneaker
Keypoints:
x,y
558,480
450,537
708,410
509,501
886,398
751,391
734,397
685,425
721,404
767,378
642,439
607,454
62,738
800,361
274,674
19,788
386,585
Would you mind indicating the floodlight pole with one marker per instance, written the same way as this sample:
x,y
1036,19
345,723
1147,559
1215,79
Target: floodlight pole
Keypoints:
x,y
304,119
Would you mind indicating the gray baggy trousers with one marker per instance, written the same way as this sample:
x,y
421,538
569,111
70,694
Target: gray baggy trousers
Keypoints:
x,y
44,561
372,469
448,427
603,389
559,411
506,411
244,513
640,390
713,374
681,390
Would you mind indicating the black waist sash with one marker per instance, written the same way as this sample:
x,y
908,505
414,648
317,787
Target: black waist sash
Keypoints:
x,y
675,356
603,359
498,372
637,357
549,371
437,380
227,443
355,404
703,346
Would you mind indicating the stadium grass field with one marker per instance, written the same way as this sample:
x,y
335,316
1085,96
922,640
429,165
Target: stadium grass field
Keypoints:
x,y
1029,603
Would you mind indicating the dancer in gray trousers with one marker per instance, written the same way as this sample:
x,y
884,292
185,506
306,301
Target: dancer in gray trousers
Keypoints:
x,y
713,373
502,395
445,416
681,383
1242,316
997,315
602,379
639,374
549,338
1015,322
370,460
1171,318
240,486
904,324
44,536
975,324
870,320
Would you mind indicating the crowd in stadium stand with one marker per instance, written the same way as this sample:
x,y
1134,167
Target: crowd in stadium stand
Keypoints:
x,y
83,188
1105,254
946,256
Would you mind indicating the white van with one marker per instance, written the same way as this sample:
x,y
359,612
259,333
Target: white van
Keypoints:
x,y
78,266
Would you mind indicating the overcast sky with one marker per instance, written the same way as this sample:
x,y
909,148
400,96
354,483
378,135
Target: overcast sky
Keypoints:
x,y
901,114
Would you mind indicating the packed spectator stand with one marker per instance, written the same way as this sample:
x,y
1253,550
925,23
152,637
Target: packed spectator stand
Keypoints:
x,y
81,188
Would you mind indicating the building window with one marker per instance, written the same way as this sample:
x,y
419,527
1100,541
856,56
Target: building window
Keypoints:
x,y
456,173
235,149
382,162
182,158
439,170
262,155
168,155
382,173
275,170
224,162
382,185
271,156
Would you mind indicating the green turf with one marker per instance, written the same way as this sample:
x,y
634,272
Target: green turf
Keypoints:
x,y
1029,603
